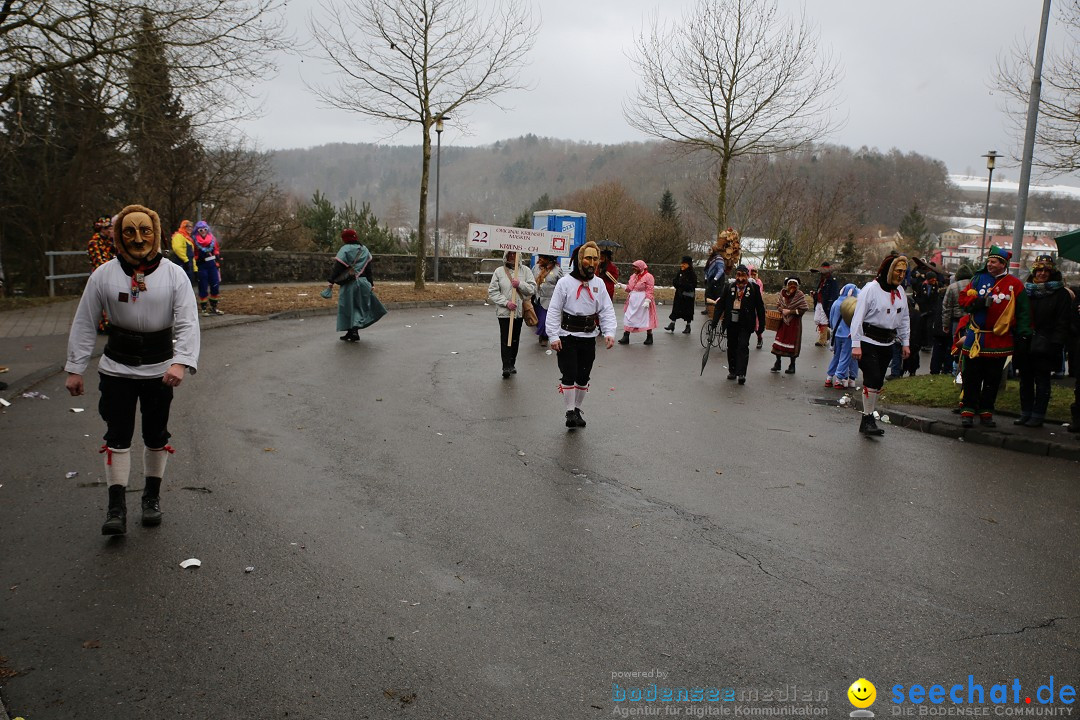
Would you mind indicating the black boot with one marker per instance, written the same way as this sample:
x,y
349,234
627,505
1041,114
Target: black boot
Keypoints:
x,y
116,519
578,420
670,326
571,419
151,502
760,342
867,426
648,337
791,367
686,330
625,339
776,365
214,308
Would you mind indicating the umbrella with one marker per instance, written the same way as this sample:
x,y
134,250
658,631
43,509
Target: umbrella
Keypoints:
x,y
705,358
1069,245
605,243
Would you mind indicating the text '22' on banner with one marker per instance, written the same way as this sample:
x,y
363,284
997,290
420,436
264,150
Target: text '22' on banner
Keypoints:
x,y
522,240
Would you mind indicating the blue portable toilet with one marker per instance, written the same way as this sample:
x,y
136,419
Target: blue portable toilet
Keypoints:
x,y
564,221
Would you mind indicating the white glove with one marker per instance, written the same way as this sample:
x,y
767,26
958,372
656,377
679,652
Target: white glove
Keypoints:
x,y
647,302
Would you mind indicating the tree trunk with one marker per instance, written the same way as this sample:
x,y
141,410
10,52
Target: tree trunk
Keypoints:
x,y
421,240
721,195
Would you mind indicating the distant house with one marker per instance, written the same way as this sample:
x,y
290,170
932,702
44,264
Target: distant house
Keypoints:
x,y
972,252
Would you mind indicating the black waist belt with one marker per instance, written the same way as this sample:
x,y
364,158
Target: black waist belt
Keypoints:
x,y
139,348
578,323
879,334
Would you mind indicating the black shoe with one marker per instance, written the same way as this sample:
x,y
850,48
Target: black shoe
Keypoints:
x,y
571,419
967,421
790,369
1022,420
151,511
513,370
731,376
648,339
506,372
742,379
670,327
625,339
893,377
351,336
686,330
759,343
578,420
1074,426
116,518
987,421
776,366
868,427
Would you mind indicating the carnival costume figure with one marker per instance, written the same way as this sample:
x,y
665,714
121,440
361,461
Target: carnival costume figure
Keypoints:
x,y
208,260
153,342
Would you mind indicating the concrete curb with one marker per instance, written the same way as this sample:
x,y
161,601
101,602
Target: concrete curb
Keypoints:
x,y
984,436
3,712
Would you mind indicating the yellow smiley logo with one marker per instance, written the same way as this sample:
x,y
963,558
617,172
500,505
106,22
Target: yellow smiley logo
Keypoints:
x,y
862,693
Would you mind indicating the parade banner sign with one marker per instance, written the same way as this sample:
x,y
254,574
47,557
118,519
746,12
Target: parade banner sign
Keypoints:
x,y
523,240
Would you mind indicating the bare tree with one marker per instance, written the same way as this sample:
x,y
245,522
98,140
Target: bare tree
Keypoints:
x,y
1057,136
732,78
217,48
416,61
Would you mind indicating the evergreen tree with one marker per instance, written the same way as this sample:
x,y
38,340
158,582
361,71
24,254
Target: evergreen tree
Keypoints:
x,y
321,218
851,255
915,233
167,159
665,241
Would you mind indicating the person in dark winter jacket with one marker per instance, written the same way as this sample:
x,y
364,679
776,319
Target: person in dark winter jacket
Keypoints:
x,y
743,310
1074,355
1038,356
685,283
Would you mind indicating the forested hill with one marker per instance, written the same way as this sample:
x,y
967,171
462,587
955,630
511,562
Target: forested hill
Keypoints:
x,y
496,183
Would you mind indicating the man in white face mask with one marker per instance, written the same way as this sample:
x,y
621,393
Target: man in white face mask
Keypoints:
x,y
149,302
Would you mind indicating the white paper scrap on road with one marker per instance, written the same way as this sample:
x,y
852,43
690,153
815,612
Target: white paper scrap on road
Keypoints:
x,y
73,473
4,402
190,563
249,569
523,240
76,410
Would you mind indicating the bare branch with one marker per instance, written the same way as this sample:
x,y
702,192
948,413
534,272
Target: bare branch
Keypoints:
x,y
733,79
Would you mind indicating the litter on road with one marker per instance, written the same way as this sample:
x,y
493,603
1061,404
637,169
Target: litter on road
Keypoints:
x,y
191,563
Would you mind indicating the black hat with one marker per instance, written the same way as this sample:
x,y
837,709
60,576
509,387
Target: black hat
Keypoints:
x,y
605,252
688,260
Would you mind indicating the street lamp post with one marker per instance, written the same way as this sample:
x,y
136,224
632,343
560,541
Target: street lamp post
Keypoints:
x,y
990,158
438,162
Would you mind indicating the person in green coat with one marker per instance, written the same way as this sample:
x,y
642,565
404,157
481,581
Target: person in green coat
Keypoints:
x,y
351,270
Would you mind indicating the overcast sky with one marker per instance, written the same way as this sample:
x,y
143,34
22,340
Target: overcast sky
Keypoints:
x,y
917,76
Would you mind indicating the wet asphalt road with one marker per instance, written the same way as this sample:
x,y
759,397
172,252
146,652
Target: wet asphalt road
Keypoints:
x,y
429,541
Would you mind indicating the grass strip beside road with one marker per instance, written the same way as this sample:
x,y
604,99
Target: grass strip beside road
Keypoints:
x,y
940,391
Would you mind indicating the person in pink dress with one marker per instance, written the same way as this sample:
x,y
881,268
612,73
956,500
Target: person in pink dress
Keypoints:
x,y
640,310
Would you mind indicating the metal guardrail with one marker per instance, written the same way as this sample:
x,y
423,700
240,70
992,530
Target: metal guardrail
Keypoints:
x,y
52,277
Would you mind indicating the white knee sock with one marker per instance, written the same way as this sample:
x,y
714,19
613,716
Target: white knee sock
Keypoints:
x,y
569,396
869,400
579,396
117,466
154,462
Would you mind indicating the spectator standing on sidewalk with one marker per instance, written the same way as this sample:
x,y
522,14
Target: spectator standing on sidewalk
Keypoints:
x,y
998,313
150,302
1036,357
